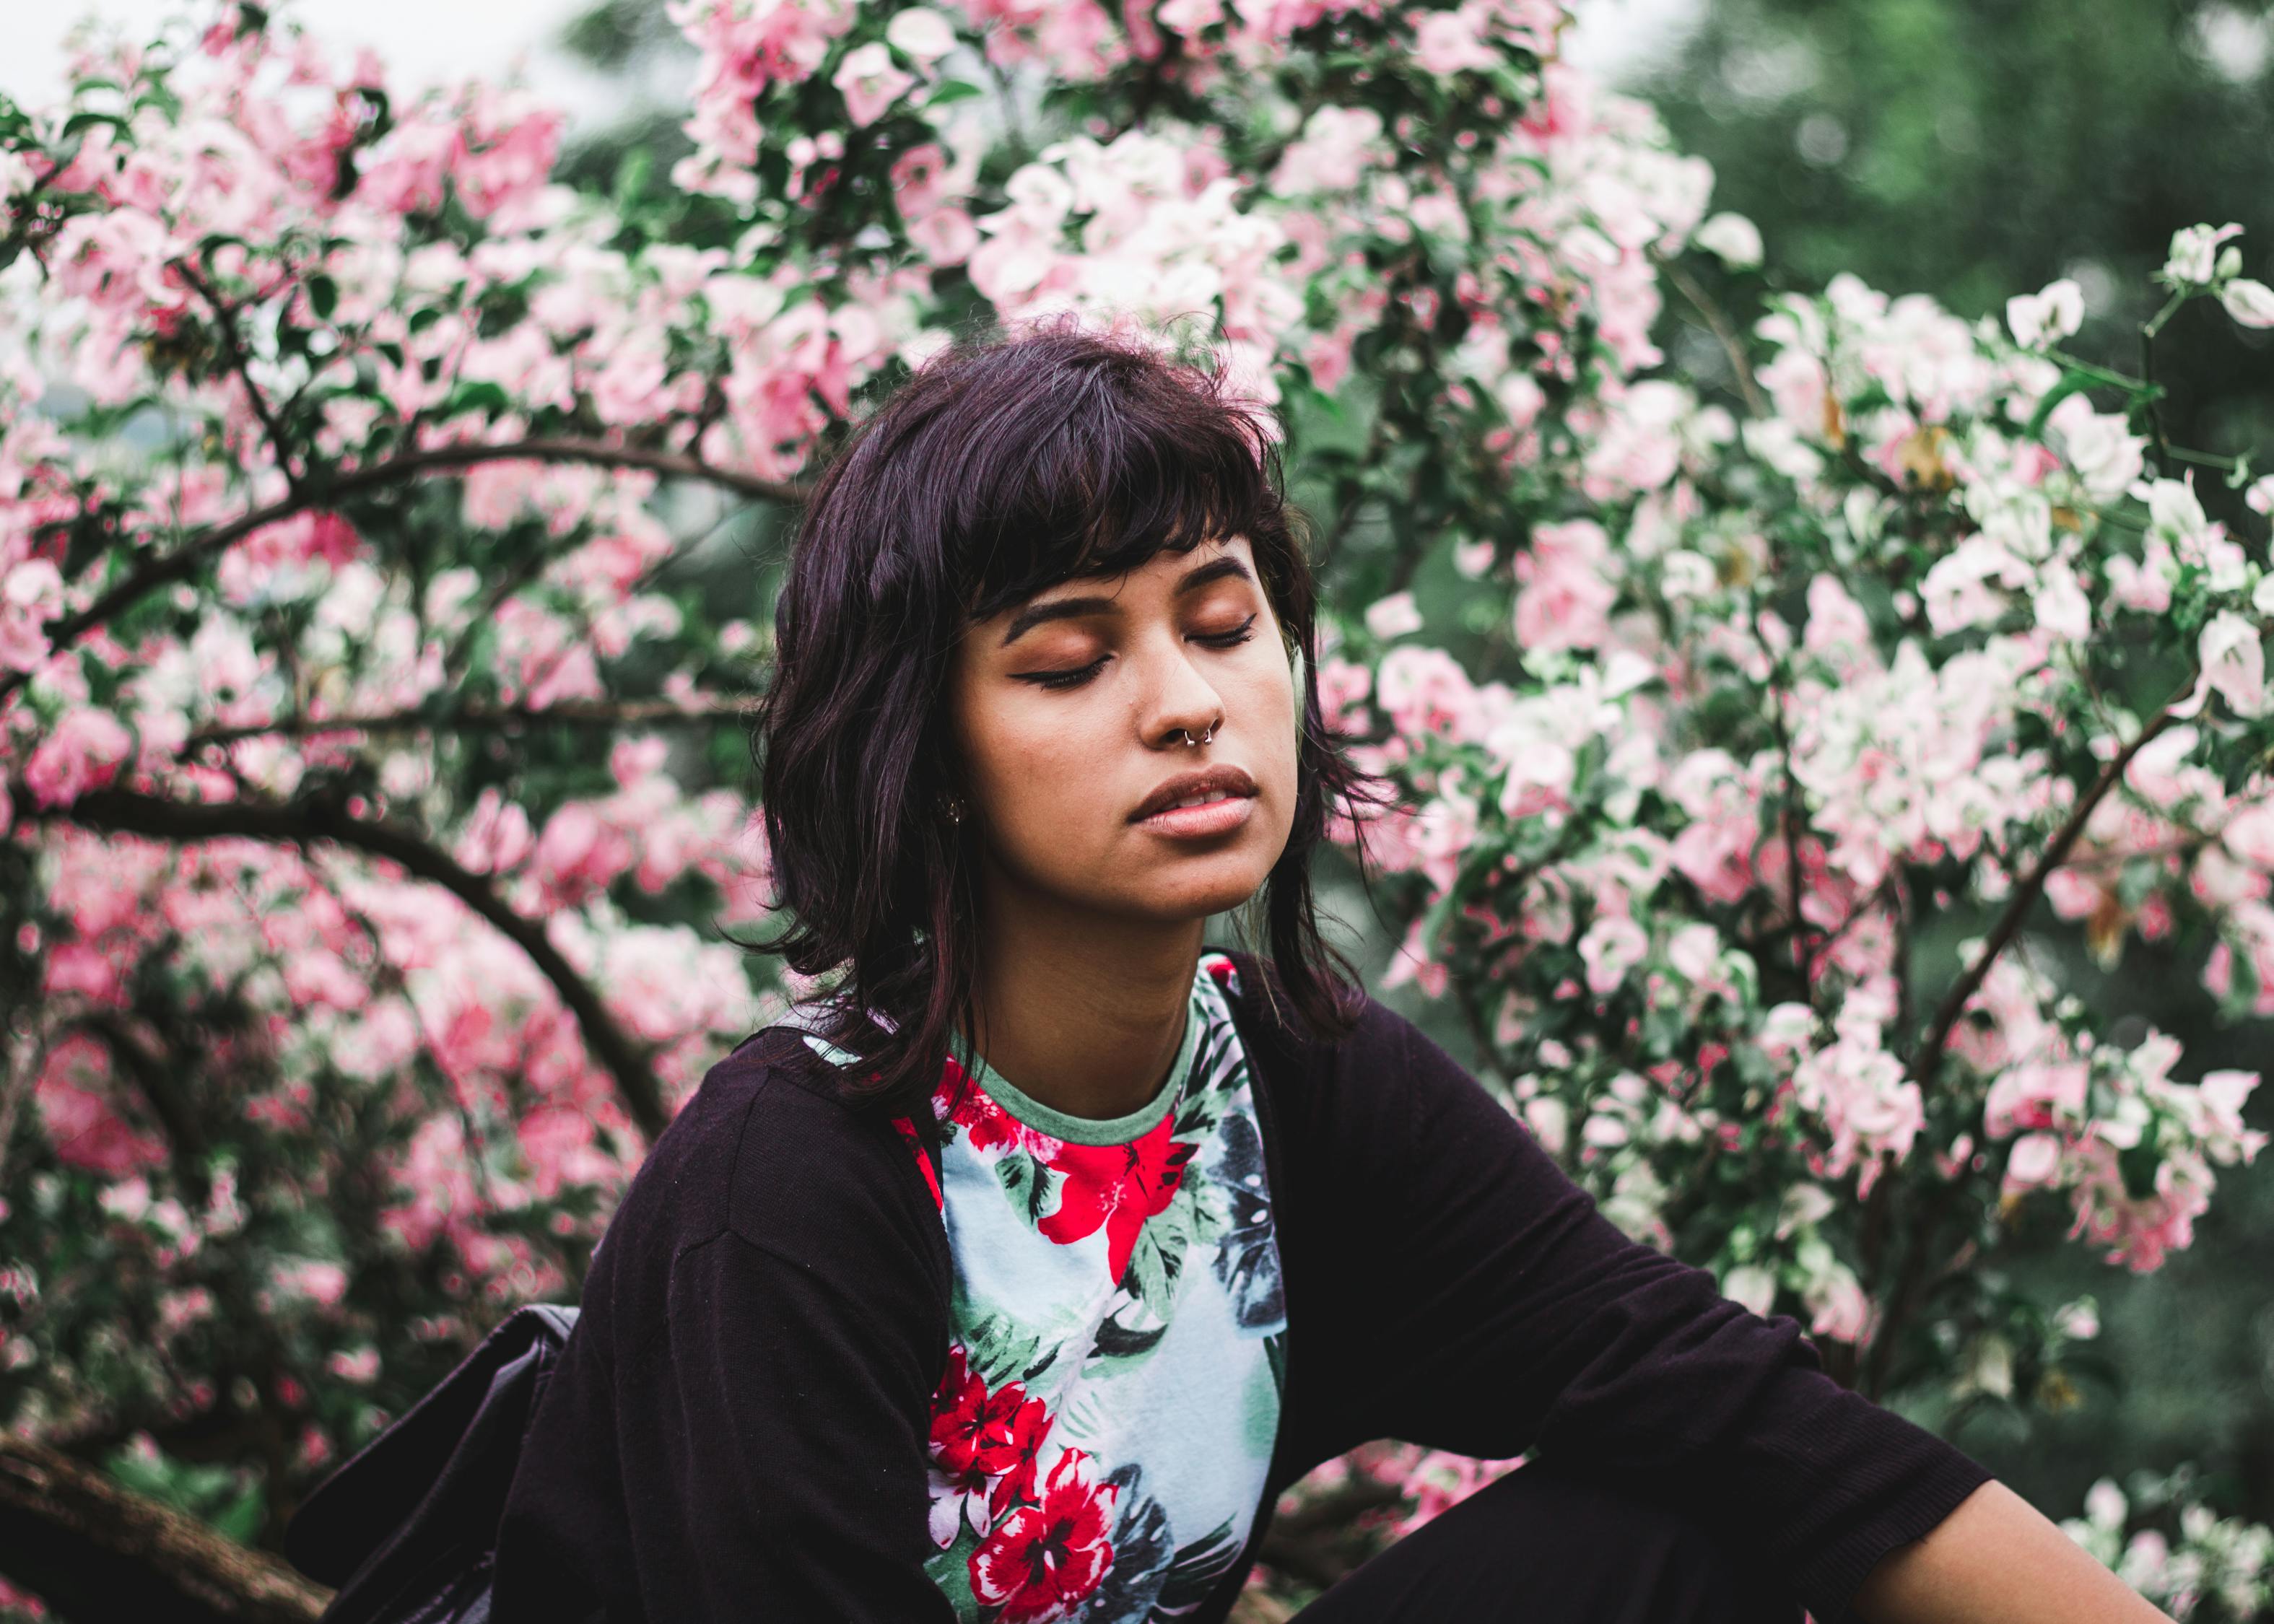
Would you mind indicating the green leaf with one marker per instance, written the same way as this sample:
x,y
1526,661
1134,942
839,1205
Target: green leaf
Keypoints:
x,y
323,296
88,119
2138,1164
240,1520
949,90
476,395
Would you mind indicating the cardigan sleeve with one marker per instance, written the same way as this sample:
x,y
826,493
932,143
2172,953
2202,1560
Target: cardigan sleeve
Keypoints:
x,y
739,1428
803,1412
1509,1314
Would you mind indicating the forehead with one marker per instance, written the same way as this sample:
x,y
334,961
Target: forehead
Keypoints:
x,y
1169,564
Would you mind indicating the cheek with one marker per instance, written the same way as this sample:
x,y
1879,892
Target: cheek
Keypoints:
x,y
1036,776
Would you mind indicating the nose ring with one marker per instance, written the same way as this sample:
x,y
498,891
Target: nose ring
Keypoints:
x,y
1203,739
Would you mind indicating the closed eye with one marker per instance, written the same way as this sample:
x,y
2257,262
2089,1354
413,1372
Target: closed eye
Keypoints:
x,y
1064,678
1238,634
1056,680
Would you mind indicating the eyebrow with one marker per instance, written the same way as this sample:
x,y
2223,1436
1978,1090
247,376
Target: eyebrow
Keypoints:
x,y
1067,608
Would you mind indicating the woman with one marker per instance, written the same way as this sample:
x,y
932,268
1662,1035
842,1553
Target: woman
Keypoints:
x,y
881,1334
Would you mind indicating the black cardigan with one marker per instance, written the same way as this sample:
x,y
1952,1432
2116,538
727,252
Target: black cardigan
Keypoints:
x,y
737,1429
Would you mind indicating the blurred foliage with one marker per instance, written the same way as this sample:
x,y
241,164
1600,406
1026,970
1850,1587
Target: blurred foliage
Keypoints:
x,y
1969,149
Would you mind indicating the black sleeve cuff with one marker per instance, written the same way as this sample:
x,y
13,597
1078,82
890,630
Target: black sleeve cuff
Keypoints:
x,y
1825,1583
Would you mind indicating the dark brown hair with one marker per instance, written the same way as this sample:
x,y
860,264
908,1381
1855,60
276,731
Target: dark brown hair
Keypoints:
x,y
1000,468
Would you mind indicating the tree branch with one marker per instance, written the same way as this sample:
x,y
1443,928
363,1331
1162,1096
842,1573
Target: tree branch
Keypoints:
x,y
484,719
184,560
2026,894
94,1549
240,363
297,823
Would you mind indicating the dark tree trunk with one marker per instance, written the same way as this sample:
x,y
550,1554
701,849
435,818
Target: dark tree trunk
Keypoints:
x,y
95,1551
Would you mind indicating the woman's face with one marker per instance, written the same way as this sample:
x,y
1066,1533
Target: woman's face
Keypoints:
x,y
1071,712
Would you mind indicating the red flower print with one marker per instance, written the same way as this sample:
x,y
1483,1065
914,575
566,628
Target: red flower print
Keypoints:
x,y
1043,1558
976,1434
923,1162
1118,1186
958,1098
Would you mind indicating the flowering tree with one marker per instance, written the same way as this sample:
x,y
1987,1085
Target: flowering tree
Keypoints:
x,y
372,628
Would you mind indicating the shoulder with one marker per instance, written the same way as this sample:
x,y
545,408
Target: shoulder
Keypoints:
x,y
766,1150
1277,1039
1385,1089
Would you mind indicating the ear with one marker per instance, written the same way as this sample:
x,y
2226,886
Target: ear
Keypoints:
x,y
1296,669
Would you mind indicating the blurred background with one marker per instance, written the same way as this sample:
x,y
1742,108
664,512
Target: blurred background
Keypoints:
x,y
1959,148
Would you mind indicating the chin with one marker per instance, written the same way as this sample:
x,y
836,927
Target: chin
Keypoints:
x,y
1204,889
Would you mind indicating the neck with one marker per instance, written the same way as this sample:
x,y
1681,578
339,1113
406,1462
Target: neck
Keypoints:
x,y
1083,1011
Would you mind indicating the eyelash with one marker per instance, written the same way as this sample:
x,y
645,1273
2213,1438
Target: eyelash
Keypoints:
x,y
1076,678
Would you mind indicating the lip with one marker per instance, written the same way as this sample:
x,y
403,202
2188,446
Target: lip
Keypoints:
x,y
1231,797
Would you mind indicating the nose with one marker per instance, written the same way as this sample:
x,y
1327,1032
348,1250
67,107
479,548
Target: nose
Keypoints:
x,y
1180,703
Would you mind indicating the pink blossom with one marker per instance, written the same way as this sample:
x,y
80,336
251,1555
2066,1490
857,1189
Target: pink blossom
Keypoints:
x,y
871,82
944,235
83,753
1394,616
2194,255
1612,946
2144,585
321,1282
80,1123
1446,42
32,593
1335,146
921,35
1424,690
2035,1095
1566,597
1873,1110
2033,1163
1843,1311
1343,687
578,854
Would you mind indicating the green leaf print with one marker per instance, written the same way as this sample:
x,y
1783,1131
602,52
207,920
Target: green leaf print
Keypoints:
x,y
1118,1349
951,1571
1157,1258
1195,1117
1032,1187
1219,1064
997,1348
1195,1571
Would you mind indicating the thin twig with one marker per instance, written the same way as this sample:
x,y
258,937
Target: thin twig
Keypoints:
x,y
2149,329
1756,403
2026,894
240,363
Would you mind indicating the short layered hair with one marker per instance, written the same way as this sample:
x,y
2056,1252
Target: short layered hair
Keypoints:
x,y
1003,466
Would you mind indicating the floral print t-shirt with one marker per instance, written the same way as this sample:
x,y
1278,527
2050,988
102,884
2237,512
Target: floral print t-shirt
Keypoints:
x,y
1100,1436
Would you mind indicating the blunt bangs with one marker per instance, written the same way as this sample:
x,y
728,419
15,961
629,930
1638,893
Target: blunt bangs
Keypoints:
x,y
1109,462
998,469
